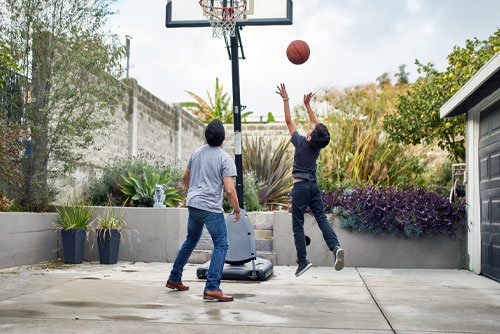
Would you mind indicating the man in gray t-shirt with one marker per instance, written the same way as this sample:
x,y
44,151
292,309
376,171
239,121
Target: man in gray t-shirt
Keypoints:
x,y
209,170
209,165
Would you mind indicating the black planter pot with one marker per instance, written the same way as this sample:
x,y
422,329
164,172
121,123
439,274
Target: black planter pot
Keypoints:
x,y
108,244
73,245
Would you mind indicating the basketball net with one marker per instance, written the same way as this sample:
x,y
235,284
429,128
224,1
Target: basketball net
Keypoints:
x,y
223,15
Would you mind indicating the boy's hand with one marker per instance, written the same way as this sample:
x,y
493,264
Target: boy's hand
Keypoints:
x,y
307,98
282,92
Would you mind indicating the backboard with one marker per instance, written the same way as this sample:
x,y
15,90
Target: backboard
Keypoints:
x,y
188,13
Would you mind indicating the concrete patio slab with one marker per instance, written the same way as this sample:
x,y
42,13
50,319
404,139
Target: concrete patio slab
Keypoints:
x,y
131,297
436,300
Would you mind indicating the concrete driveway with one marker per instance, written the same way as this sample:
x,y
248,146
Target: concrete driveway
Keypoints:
x,y
132,298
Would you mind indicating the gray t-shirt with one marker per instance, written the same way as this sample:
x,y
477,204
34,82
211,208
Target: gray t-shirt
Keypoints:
x,y
208,165
304,159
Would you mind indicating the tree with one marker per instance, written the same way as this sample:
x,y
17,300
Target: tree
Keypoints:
x,y
417,118
7,63
402,76
71,65
11,145
359,151
384,80
217,108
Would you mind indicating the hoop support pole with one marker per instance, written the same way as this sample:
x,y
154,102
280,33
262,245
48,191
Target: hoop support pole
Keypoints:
x,y
237,117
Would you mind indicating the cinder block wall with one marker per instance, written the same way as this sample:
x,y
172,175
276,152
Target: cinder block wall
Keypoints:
x,y
142,124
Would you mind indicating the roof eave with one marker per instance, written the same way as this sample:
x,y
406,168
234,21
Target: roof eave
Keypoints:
x,y
463,99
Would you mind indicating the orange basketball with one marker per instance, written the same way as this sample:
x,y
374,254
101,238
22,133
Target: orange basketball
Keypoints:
x,y
298,52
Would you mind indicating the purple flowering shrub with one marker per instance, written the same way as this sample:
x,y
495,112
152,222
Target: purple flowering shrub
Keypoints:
x,y
403,212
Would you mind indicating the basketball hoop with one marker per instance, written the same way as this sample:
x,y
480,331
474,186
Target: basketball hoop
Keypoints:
x,y
223,15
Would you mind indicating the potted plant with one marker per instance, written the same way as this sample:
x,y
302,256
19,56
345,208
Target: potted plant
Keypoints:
x,y
108,231
73,219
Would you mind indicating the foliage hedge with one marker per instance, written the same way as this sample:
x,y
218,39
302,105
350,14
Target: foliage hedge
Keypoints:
x,y
404,212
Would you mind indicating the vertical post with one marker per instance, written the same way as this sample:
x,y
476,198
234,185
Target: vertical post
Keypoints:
x,y
178,133
127,41
237,117
132,118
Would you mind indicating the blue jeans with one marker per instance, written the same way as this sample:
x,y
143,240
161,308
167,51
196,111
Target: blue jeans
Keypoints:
x,y
216,226
307,194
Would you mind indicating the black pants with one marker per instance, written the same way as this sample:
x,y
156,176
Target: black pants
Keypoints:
x,y
307,194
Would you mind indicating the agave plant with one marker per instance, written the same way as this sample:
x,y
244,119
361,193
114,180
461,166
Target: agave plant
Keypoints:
x,y
272,167
142,190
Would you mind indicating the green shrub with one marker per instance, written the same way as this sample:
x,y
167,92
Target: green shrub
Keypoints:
x,y
106,188
141,190
250,194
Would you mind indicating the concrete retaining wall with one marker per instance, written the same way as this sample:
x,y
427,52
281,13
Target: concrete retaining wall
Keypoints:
x,y
155,235
26,238
151,235
363,249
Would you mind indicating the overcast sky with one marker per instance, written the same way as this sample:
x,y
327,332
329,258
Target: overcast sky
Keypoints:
x,y
351,42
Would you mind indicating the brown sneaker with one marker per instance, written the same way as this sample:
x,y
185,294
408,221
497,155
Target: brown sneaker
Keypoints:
x,y
177,286
216,295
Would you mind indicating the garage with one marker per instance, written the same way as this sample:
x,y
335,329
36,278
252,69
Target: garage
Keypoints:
x,y
479,98
489,189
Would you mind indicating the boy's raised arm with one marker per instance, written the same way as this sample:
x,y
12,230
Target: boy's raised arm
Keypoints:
x,y
312,117
288,118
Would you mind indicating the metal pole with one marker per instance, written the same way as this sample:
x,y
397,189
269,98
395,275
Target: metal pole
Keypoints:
x,y
237,117
127,39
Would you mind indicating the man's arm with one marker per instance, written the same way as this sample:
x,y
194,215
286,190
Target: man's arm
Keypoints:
x,y
288,118
185,178
232,197
312,117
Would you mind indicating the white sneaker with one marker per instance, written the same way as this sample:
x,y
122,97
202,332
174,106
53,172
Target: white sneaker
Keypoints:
x,y
339,258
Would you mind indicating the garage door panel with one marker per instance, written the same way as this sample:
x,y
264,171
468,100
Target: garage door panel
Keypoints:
x,y
485,211
494,228
489,186
495,210
485,253
484,125
495,122
484,170
485,142
495,256
495,165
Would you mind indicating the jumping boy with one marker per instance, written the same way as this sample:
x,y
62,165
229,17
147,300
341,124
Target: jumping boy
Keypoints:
x,y
305,192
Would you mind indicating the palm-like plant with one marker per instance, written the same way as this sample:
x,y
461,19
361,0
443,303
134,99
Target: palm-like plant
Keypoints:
x,y
75,214
142,190
217,108
109,220
272,168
